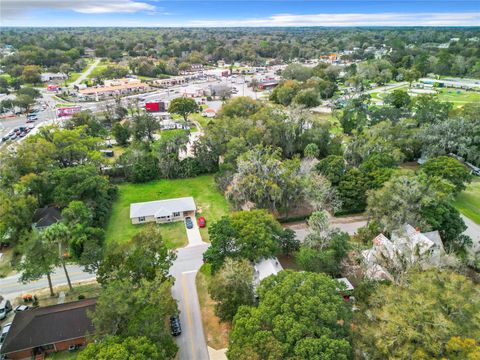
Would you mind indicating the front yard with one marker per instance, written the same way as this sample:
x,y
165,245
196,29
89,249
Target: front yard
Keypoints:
x,y
468,201
210,203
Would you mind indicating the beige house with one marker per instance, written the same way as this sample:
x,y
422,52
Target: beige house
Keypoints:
x,y
162,211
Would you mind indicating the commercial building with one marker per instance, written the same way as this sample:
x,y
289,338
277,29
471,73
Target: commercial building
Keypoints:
x,y
112,87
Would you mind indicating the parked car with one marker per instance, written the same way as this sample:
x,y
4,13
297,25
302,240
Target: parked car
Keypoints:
x,y
175,328
188,222
202,222
20,308
5,308
5,330
5,138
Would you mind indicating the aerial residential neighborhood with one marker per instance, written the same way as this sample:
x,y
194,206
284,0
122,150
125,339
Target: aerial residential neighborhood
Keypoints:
x,y
184,180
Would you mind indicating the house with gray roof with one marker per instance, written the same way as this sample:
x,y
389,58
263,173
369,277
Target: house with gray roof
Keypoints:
x,y
162,211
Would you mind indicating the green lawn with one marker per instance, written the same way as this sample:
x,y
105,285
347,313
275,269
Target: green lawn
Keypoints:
x,y
210,203
468,201
203,121
458,97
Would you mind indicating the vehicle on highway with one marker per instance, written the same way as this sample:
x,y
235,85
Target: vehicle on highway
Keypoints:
x,y
19,308
188,222
175,328
31,120
5,308
202,222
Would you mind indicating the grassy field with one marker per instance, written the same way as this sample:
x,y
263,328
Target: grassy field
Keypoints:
x,y
203,121
210,203
468,201
459,97
216,332
75,75
102,65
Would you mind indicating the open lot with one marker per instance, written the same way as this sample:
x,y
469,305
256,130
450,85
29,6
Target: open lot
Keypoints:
x,y
210,203
468,201
75,75
459,97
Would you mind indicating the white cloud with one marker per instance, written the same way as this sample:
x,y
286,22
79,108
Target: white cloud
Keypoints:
x,y
353,19
18,8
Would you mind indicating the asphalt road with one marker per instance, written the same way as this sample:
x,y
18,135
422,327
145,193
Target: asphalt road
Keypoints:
x,y
10,287
191,343
348,224
473,230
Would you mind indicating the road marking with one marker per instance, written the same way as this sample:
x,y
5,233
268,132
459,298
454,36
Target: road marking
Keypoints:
x,y
187,308
189,272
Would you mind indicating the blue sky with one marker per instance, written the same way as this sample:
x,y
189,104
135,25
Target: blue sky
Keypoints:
x,y
239,13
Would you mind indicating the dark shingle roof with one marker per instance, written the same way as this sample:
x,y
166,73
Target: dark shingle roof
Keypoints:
x,y
48,325
46,216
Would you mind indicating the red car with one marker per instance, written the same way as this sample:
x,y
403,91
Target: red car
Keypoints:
x,y
202,222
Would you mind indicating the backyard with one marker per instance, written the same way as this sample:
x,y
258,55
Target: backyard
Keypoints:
x,y
468,201
210,203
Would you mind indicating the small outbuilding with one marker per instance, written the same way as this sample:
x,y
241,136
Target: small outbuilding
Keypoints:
x,y
263,268
46,216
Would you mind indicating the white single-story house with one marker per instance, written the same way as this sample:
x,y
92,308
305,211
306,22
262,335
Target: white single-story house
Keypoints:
x,y
162,211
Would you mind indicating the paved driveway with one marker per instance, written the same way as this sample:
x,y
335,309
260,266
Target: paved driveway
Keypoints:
x,y
193,234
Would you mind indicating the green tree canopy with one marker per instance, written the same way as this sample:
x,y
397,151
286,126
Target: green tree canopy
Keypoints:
x,y
231,287
449,169
125,311
116,348
145,257
300,315
183,106
243,235
417,318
